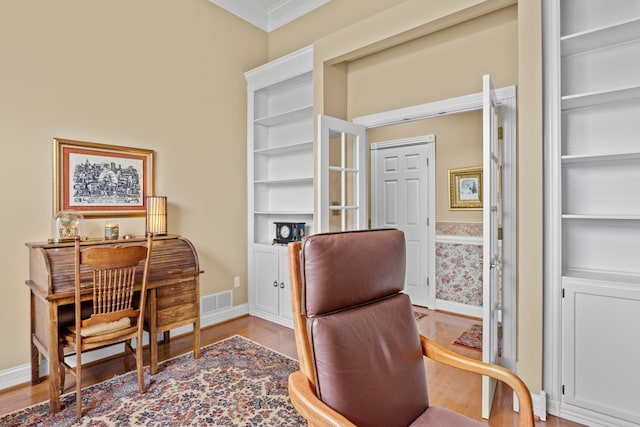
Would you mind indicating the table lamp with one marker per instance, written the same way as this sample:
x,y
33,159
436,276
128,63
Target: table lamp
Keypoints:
x,y
157,215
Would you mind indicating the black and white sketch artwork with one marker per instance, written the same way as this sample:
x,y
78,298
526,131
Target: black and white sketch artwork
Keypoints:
x,y
105,181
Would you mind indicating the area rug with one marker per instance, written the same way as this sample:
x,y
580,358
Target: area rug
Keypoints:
x,y
471,338
236,382
418,315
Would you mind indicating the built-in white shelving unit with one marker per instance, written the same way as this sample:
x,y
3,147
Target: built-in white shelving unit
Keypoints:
x,y
594,197
280,174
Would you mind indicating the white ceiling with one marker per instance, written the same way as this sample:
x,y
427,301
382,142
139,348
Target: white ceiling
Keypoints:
x,y
269,14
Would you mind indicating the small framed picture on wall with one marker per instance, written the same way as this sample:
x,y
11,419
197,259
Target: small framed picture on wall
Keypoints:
x,y
465,188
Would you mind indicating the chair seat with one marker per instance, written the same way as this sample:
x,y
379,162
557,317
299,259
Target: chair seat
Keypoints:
x,y
436,416
105,327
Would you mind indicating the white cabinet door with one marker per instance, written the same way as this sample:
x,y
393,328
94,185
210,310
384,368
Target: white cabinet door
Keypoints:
x,y
284,293
272,290
266,279
601,346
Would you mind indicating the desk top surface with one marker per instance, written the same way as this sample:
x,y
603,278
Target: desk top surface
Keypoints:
x,y
96,241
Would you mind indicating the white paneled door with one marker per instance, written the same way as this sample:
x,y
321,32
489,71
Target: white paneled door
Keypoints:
x,y
402,197
491,261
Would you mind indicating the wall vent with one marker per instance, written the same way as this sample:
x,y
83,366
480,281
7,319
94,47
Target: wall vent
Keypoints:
x,y
216,302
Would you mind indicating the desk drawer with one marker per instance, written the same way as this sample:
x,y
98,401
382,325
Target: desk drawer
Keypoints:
x,y
176,294
176,314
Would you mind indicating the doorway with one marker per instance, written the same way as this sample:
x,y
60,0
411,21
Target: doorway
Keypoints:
x,y
506,100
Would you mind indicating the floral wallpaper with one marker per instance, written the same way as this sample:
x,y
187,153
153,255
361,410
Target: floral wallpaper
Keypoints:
x,y
458,268
459,229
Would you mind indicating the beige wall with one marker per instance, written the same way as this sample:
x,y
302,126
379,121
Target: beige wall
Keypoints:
x,y
530,195
443,65
154,74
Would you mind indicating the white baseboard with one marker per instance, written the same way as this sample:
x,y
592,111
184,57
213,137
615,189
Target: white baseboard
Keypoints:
x,y
22,374
539,402
459,308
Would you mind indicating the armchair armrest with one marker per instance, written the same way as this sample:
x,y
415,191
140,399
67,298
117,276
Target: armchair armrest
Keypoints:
x,y
436,352
315,411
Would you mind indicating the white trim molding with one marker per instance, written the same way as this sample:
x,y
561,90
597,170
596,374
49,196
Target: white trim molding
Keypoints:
x,y
271,15
539,402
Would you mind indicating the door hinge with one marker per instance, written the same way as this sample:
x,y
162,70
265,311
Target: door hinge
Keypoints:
x,y
562,292
427,159
562,388
500,132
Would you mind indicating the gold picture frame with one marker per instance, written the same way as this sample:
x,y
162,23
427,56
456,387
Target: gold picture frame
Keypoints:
x,y
465,188
100,180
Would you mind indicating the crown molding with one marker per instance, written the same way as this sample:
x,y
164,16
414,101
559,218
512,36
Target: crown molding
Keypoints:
x,y
269,15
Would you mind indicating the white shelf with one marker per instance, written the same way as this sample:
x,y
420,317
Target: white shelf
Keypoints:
x,y
602,217
590,99
283,213
602,276
598,38
289,148
305,180
286,117
586,158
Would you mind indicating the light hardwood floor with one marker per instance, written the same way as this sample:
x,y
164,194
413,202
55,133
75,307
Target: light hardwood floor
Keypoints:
x,y
448,387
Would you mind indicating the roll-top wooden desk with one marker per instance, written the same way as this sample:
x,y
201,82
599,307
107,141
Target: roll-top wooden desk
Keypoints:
x,y
173,301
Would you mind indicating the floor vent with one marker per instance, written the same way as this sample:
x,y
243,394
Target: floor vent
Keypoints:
x,y
215,302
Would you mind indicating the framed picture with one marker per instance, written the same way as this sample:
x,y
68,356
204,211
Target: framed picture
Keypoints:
x,y
465,188
101,180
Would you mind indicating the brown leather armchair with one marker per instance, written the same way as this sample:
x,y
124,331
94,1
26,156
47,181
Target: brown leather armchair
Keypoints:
x,y
360,354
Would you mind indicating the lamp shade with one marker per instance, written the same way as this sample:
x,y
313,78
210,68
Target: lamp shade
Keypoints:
x,y
157,215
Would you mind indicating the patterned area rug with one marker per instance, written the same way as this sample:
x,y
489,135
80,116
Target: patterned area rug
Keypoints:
x,y
471,338
235,382
418,315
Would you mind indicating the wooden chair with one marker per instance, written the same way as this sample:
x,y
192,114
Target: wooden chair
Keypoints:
x,y
109,273
360,354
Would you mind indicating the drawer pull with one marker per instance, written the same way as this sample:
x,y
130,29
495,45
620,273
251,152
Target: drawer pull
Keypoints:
x,y
275,283
282,285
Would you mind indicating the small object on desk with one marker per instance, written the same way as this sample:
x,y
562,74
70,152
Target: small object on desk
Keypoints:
x,y
66,226
128,236
111,231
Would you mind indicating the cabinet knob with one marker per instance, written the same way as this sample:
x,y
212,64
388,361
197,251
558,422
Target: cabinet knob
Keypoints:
x,y
282,285
275,283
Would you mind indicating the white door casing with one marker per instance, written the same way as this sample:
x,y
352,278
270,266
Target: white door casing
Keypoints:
x,y
403,197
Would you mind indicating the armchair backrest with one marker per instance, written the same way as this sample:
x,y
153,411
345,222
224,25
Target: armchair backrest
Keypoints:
x,y
355,331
